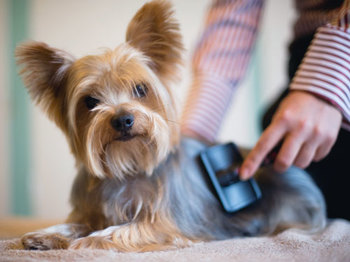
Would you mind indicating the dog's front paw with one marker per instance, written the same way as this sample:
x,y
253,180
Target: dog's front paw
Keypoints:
x,y
93,242
44,241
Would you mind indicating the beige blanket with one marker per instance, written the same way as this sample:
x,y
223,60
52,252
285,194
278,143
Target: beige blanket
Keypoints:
x,y
332,244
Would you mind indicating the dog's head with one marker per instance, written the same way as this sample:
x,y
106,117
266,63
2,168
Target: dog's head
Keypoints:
x,y
116,109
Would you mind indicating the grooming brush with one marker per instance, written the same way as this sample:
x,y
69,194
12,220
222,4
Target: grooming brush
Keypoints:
x,y
221,163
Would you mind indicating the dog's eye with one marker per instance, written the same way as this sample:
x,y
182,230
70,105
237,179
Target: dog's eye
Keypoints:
x,y
140,90
91,102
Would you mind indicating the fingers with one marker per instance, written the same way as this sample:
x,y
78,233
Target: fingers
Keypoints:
x,y
324,149
268,140
322,152
308,127
288,152
305,156
300,147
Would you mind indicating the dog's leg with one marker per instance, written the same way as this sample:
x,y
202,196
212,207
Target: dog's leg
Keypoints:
x,y
133,237
54,237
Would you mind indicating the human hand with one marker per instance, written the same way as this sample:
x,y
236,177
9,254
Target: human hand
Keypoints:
x,y
308,127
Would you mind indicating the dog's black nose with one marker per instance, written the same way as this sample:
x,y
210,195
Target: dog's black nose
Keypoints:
x,y
122,123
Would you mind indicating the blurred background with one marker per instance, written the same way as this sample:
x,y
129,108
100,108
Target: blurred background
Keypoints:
x,y
36,167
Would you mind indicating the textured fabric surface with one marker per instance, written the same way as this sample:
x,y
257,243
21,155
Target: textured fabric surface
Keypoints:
x,y
332,244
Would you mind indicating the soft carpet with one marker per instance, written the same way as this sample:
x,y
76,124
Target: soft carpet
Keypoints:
x,y
332,244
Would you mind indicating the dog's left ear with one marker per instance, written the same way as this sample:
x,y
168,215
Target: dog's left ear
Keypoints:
x,y
44,71
156,33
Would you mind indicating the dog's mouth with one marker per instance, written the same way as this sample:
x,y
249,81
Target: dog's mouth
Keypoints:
x,y
125,137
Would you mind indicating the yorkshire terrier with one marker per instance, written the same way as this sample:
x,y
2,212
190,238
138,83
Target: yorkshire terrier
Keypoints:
x,y
138,186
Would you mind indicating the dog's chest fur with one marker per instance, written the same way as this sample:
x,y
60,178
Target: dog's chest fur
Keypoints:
x,y
136,190
177,193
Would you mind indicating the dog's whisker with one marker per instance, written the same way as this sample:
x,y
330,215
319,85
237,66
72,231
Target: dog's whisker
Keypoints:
x,y
173,122
139,187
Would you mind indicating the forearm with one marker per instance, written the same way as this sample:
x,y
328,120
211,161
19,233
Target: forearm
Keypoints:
x,y
219,64
325,70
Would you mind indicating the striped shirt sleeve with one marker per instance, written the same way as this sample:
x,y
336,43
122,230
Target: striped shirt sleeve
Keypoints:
x,y
325,69
219,64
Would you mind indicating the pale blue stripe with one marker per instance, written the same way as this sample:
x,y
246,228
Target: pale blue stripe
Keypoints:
x,y
19,119
257,90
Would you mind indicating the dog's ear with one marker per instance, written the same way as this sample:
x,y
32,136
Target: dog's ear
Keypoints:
x,y
44,71
155,32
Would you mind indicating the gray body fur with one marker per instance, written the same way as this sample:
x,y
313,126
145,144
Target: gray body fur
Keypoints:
x,y
178,189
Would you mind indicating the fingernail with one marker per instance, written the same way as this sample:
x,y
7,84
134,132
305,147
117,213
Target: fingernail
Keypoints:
x,y
244,174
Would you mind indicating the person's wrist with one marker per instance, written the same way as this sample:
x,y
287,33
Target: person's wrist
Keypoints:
x,y
320,98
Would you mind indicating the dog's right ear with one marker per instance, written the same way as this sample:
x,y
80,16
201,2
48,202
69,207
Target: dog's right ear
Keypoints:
x,y
44,71
154,31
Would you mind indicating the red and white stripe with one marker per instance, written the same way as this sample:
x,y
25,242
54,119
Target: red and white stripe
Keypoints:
x,y
222,55
325,70
219,64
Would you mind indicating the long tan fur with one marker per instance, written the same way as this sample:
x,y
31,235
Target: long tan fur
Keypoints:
x,y
138,186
